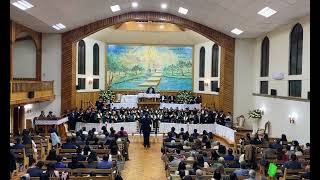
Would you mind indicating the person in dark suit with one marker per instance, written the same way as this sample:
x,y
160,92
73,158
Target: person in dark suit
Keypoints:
x,y
150,90
36,171
146,129
72,120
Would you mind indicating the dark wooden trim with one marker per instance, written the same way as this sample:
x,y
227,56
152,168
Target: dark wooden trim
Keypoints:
x,y
25,79
70,38
282,97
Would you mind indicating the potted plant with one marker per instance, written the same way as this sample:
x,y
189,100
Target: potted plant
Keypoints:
x,y
256,115
184,97
107,95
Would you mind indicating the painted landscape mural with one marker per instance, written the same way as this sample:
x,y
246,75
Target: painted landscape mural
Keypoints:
x,y
136,67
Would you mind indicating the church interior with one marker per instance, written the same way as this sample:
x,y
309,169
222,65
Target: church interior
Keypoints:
x,y
160,90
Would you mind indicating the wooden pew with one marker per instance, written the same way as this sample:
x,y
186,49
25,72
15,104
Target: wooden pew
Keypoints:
x,y
21,154
95,171
292,174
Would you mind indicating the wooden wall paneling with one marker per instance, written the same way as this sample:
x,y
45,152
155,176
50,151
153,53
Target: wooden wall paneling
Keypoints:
x,y
69,39
15,30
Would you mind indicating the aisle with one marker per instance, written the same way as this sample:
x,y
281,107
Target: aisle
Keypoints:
x,y
144,164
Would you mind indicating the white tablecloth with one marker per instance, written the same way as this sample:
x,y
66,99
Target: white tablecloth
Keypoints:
x,y
50,122
123,105
145,95
180,106
217,129
130,127
129,99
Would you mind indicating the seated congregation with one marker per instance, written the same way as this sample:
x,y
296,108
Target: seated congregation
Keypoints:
x,y
201,156
81,154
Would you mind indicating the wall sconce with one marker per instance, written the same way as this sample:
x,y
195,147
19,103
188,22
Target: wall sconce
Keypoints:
x,y
28,108
206,82
262,109
292,118
90,80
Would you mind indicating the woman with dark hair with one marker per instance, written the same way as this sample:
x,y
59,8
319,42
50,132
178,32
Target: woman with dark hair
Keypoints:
x,y
205,139
217,175
283,137
92,156
182,166
52,155
74,164
51,172
214,155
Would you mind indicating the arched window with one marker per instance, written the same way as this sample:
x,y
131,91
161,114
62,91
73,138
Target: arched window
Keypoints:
x,y
96,59
264,65
202,62
296,41
81,57
215,61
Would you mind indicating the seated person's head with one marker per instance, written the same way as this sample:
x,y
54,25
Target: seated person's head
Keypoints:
x,y
78,133
68,140
84,128
221,160
79,150
96,140
230,151
106,157
182,173
182,166
195,130
173,129
293,157
217,174
252,173
122,128
74,159
40,164
171,158
181,129
59,158
199,172
187,177
243,165
18,140
178,151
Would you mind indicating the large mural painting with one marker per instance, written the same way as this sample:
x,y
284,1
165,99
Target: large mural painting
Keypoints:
x,y
136,67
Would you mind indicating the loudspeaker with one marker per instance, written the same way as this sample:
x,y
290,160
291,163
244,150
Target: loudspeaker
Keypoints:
x,y
31,94
273,92
217,89
77,87
309,95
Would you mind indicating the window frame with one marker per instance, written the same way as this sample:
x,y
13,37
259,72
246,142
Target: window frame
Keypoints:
x,y
82,57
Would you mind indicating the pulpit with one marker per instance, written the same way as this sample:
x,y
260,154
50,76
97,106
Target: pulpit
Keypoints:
x,y
149,100
58,123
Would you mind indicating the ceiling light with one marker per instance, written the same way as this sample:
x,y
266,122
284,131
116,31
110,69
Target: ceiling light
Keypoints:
x,y
134,4
115,8
59,26
161,26
183,10
267,12
22,4
236,31
164,6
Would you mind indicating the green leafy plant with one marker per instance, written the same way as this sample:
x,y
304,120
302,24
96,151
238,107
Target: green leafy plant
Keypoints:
x,y
257,113
107,94
184,97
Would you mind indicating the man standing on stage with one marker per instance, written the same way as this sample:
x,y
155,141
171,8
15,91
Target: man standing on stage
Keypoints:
x,y
150,90
146,128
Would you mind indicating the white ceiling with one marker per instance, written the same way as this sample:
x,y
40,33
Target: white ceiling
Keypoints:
x,y
110,35
222,15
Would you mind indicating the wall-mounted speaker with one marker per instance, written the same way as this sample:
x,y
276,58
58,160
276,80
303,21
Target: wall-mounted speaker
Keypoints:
x,y
273,92
217,89
309,95
278,76
77,87
31,94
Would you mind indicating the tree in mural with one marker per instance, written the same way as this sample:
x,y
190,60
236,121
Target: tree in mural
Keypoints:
x,y
137,68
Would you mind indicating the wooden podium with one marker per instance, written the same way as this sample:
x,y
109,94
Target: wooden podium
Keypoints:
x,y
47,124
149,100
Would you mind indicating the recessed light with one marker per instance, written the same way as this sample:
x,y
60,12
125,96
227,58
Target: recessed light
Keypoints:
x,y
183,10
134,4
236,31
267,12
164,6
115,8
59,26
161,26
22,4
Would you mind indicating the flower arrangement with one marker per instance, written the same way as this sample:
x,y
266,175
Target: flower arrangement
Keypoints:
x,y
257,113
107,94
185,97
